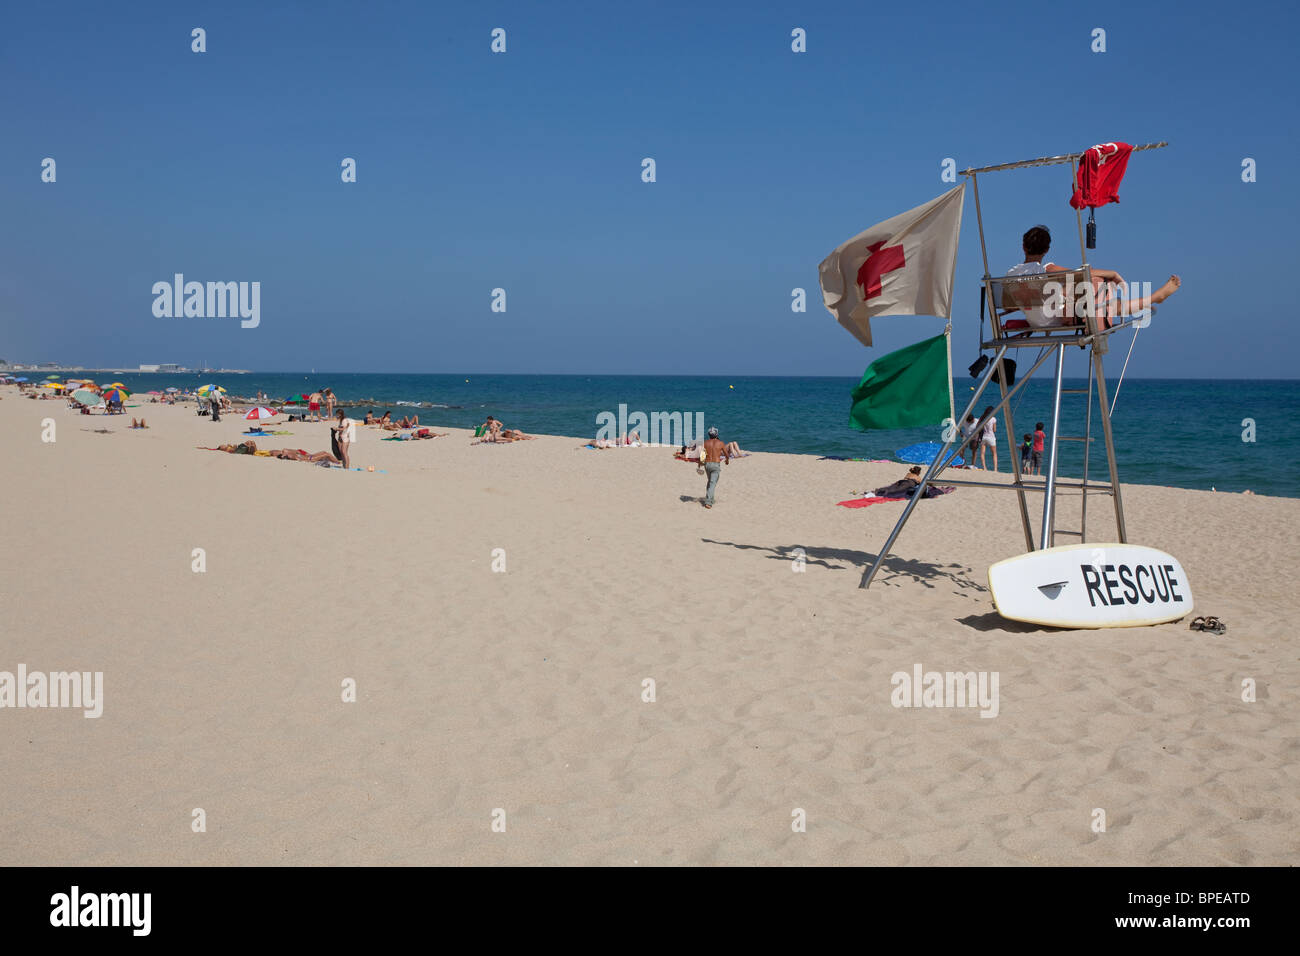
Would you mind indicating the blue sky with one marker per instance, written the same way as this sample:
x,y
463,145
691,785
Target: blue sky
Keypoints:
x,y
523,171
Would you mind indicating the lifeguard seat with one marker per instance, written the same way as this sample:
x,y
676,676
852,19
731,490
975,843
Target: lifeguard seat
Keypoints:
x,y
1012,294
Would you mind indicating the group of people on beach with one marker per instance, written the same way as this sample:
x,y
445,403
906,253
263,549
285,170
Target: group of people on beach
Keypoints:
x,y
249,447
979,437
494,430
385,421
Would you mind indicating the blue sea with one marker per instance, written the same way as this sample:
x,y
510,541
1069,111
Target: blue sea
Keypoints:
x,y
1184,433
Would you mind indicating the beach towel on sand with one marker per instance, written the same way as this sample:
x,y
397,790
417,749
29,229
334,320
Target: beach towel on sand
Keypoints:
x,y
930,492
876,461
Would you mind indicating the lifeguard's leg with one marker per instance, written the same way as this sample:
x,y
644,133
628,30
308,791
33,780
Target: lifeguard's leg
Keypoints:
x,y
1155,298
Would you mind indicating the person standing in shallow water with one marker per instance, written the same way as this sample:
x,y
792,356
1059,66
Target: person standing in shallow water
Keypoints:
x,y
715,453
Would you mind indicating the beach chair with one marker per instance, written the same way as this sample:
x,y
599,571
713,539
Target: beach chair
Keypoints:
x,y
480,431
1013,296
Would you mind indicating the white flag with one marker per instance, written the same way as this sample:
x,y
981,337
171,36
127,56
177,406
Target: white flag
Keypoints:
x,y
902,266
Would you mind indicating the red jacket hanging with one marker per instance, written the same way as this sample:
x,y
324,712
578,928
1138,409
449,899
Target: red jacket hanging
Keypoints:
x,y
1100,172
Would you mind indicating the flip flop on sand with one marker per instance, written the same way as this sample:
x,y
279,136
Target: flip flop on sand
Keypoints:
x,y
1198,624
1214,626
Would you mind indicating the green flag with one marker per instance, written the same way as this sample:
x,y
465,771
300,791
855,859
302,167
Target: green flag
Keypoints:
x,y
903,389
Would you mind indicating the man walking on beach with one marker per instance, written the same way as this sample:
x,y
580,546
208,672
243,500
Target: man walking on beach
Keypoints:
x,y
715,452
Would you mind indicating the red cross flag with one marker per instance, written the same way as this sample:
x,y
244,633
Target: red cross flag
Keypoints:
x,y
903,266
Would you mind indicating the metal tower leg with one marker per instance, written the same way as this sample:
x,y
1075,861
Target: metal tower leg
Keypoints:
x,y
1049,490
1110,443
1015,463
1087,447
937,464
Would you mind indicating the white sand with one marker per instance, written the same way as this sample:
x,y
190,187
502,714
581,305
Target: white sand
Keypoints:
x,y
522,691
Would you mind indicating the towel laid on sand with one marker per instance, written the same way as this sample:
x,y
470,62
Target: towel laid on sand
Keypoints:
x,y
930,492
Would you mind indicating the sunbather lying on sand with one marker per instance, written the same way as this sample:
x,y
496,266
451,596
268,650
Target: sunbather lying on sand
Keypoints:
x,y
288,454
299,454
421,433
906,487
902,488
496,432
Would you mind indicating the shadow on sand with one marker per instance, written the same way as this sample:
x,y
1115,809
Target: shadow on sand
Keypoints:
x,y
993,621
894,568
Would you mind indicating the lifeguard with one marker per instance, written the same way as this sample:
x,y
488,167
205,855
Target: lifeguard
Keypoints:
x,y
1105,286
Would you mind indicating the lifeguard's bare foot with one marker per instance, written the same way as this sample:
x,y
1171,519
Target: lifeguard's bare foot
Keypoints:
x,y
1166,290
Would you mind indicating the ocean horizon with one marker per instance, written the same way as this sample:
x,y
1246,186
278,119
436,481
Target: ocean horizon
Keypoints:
x,y
1183,433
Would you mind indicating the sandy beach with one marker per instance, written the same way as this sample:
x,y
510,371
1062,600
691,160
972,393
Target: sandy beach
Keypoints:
x,y
522,690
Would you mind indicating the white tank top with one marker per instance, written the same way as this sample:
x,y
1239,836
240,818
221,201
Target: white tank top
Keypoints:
x,y
1035,316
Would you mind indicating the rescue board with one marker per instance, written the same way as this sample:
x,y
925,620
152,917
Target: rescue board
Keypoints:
x,y
1091,585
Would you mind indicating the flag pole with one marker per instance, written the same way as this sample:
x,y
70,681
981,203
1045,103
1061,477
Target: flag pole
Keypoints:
x,y
947,337
947,329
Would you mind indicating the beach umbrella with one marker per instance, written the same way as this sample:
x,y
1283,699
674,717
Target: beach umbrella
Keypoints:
x,y
154,391
85,396
51,378
172,389
260,414
205,389
114,395
21,378
52,385
923,453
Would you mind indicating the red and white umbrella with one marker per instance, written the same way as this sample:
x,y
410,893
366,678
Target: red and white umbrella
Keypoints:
x,y
260,414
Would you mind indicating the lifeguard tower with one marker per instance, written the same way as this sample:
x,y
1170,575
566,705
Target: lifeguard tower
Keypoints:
x,y
1090,329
